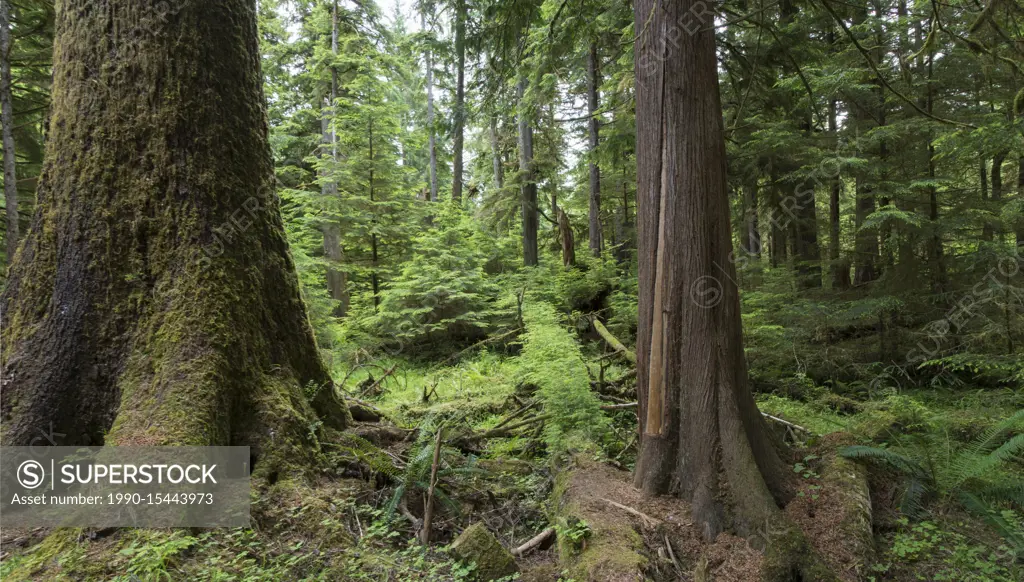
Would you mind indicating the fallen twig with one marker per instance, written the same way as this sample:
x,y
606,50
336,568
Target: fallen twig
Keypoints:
x,y
427,394
497,432
534,542
786,422
458,354
648,520
372,387
522,410
675,562
622,406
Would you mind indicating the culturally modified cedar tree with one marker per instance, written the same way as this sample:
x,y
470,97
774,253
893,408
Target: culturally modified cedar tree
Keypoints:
x,y
154,300
702,435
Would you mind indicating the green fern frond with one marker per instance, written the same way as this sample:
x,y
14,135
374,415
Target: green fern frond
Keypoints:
x,y
901,463
981,460
994,435
912,502
1010,532
396,499
1003,493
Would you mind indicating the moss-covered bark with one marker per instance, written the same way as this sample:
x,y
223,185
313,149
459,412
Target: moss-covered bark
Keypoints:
x,y
593,543
155,301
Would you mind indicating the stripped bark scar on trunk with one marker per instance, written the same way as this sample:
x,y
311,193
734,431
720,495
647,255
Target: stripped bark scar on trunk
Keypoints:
x,y
656,387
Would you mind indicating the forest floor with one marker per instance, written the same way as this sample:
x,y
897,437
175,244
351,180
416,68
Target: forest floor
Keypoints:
x,y
359,520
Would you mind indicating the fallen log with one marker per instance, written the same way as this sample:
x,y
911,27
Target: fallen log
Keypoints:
x,y
613,341
382,435
364,411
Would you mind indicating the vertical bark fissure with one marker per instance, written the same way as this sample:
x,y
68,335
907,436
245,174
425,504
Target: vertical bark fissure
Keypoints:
x,y
656,364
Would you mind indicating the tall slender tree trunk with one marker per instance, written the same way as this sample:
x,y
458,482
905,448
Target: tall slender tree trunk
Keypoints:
x,y
805,239
374,242
702,435
986,229
529,184
752,234
499,168
337,279
997,190
460,98
840,267
779,220
935,250
866,241
7,118
594,124
431,130
154,300
623,222
983,177
885,232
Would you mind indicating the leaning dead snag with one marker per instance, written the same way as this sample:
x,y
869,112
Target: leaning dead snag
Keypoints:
x,y
155,301
428,513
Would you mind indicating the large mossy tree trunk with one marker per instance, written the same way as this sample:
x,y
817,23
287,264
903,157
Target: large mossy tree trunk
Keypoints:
x,y
702,435
155,301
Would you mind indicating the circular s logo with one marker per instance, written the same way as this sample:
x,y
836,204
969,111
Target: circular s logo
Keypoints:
x,y
31,474
706,292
